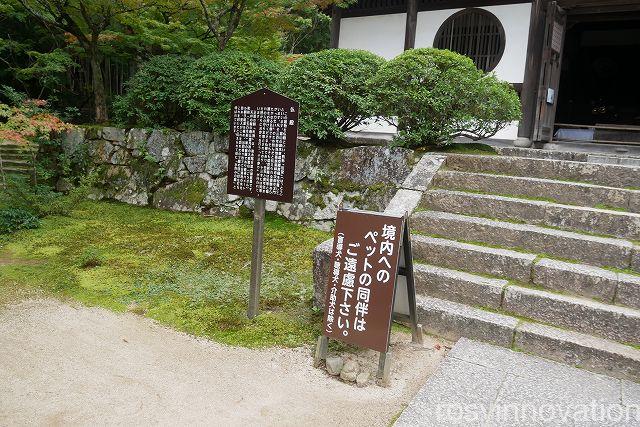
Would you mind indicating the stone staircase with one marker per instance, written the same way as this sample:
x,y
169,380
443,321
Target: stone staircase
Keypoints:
x,y
535,254
16,159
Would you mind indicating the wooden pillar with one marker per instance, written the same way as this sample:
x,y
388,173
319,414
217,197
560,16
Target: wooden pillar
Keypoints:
x,y
529,95
410,27
336,16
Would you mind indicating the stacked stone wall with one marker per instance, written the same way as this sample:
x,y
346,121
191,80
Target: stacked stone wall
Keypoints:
x,y
187,171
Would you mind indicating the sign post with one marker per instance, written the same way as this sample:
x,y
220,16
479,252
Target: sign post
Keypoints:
x,y
370,284
262,155
256,258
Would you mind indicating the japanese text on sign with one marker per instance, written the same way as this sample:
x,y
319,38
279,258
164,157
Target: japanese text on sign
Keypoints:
x,y
362,280
262,146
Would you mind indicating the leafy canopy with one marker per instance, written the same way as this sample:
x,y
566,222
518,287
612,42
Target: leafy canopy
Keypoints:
x,y
437,95
333,89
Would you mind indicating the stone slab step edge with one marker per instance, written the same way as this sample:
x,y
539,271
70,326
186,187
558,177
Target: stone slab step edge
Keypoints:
x,y
620,324
14,157
13,162
575,218
453,321
17,170
594,250
503,263
458,286
571,193
577,279
595,173
620,159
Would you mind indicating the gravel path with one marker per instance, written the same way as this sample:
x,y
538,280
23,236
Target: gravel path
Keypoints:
x,y
69,364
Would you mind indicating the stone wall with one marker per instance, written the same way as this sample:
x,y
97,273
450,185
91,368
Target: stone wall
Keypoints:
x,y
186,171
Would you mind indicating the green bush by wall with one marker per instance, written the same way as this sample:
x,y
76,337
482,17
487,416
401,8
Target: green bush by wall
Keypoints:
x,y
152,94
437,95
215,80
333,89
180,92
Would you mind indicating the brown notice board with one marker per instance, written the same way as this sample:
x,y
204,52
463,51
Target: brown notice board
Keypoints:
x,y
361,289
262,146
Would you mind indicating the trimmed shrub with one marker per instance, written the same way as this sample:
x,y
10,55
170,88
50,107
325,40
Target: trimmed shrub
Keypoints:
x,y
215,80
333,89
437,95
151,98
13,219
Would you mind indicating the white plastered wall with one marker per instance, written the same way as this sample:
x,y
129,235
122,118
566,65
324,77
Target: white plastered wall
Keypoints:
x,y
380,34
515,21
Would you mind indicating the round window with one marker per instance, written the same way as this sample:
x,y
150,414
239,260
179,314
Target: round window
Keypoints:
x,y
475,33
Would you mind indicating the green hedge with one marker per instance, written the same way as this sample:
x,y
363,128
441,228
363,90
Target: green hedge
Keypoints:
x,y
216,80
333,89
437,95
151,98
180,92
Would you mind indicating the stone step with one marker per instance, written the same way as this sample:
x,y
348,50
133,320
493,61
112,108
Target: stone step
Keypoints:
x,y
453,320
6,163
601,174
580,314
19,149
608,158
600,251
9,157
536,153
577,279
458,286
576,218
17,170
587,281
472,258
580,350
583,315
572,193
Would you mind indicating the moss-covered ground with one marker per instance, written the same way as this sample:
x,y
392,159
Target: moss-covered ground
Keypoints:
x,y
184,270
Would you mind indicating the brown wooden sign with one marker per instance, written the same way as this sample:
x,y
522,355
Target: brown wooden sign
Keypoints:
x,y
364,265
262,146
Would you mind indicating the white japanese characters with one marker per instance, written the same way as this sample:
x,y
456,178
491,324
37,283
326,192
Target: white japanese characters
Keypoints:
x,y
263,161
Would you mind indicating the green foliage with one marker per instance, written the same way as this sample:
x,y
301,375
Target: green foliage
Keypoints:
x,y
43,200
217,79
438,95
333,89
11,97
310,32
152,99
14,219
48,68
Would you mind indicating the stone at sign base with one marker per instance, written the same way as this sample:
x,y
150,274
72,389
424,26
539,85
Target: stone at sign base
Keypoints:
x,y
349,371
362,379
522,142
334,365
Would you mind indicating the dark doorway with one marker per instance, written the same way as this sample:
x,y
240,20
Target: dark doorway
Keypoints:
x,y
600,78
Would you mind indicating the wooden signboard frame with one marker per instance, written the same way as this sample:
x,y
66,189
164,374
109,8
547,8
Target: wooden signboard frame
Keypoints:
x,y
262,156
402,311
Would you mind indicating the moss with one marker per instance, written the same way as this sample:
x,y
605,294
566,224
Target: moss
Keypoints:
x,y
610,208
466,148
317,200
186,271
190,193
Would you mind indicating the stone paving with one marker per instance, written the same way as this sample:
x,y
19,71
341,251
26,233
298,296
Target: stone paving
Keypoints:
x,y
479,384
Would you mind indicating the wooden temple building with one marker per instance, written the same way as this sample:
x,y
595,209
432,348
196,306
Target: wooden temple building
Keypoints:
x,y
575,63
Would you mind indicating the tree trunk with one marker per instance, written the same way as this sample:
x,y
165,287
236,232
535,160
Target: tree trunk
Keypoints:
x,y
97,82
